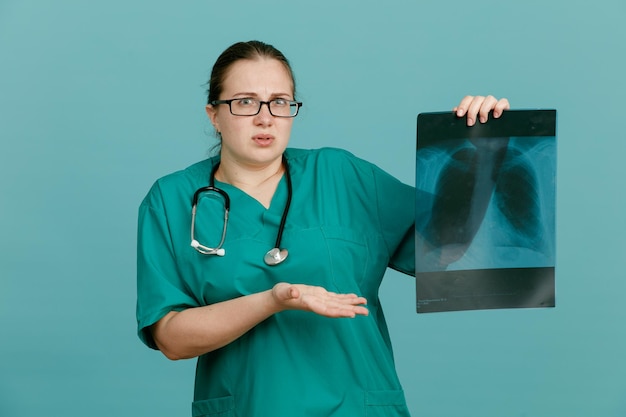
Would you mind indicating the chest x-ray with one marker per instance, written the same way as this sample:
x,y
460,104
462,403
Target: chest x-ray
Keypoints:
x,y
485,212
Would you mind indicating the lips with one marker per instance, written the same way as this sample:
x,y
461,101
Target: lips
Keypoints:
x,y
263,139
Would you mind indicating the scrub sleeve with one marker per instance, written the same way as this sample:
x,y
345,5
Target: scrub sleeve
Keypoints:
x,y
349,221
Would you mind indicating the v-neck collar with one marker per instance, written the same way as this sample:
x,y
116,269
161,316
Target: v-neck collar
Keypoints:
x,y
236,194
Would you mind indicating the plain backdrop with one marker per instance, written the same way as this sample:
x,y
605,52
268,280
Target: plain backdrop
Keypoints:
x,y
99,99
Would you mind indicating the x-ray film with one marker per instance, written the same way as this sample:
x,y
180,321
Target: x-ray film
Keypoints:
x,y
485,212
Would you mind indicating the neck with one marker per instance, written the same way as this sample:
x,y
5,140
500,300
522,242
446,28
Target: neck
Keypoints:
x,y
249,177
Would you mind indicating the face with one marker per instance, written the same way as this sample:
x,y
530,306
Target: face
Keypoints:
x,y
253,141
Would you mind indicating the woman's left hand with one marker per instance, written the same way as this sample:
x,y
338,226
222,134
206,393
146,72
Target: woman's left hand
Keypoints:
x,y
480,106
318,300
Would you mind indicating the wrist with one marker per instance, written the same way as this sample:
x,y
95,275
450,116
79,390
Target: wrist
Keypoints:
x,y
272,300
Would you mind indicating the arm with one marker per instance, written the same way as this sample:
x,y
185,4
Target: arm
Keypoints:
x,y
198,330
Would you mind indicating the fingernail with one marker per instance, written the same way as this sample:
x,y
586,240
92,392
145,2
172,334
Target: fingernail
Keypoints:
x,y
483,119
470,122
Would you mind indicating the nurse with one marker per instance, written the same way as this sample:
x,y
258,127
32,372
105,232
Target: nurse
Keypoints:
x,y
275,290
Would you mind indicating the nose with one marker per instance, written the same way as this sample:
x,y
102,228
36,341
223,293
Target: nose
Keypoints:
x,y
264,116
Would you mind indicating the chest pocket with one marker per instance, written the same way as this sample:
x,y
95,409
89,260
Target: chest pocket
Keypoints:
x,y
354,266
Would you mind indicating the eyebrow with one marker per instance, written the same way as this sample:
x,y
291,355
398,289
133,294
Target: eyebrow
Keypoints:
x,y
255,95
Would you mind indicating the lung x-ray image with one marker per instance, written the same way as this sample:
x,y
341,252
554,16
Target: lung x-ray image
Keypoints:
x,y
485,212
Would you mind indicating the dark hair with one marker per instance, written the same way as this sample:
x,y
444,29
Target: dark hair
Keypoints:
x,y
239,51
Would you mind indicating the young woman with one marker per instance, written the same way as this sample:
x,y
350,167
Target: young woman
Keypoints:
x,y
272,278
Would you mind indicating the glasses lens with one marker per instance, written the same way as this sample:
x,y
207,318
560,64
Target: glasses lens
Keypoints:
x,y
244,107
283,108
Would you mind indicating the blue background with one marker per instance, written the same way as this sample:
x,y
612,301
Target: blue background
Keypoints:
x,y
98,99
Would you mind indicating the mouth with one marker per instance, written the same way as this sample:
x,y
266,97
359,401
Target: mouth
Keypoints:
x,y
263,139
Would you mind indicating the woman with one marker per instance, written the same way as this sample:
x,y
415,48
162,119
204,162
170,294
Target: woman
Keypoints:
x,y
286,332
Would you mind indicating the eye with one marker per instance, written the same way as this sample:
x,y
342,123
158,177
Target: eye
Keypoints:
x,y
246,102
281,102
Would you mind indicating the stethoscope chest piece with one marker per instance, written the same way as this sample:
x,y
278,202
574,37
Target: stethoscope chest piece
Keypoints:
x,y
275,256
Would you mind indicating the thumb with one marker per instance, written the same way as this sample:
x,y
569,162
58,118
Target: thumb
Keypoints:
x,y
294,292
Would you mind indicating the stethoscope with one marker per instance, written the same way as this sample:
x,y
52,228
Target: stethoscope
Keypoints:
x,y
275,255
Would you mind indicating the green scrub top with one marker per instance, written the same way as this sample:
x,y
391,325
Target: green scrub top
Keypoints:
x,y
348,222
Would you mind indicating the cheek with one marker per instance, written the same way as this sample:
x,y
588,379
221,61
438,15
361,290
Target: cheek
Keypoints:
x,y
286,127
220,124
224,123
233,130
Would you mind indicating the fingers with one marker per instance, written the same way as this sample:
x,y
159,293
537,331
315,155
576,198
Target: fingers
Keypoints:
x,y
339,306
330,304
479,107
461,109
501,105
318,300
485,107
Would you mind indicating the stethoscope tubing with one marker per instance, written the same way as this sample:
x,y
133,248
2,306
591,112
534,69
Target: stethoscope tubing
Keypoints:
x,y
218,250
283,218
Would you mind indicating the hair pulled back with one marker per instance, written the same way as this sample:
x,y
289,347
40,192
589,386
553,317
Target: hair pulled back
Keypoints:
x,y
241,51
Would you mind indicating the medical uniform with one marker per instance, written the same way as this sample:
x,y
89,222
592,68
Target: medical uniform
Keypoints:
x,y
348,222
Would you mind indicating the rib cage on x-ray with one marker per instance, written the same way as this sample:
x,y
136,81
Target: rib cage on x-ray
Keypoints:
x,y
487,208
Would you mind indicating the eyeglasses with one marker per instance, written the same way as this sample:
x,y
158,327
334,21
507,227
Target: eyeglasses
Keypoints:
x,y
279,107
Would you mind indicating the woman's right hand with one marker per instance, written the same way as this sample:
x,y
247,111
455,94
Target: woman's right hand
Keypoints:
x,y
318,300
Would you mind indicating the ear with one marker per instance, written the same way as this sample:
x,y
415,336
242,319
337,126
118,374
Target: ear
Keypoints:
x,y
211,111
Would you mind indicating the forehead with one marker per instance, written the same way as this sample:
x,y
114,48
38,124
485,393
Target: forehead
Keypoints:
x,y
262,76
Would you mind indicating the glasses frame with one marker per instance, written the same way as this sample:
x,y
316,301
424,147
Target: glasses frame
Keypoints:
x,y
261,103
